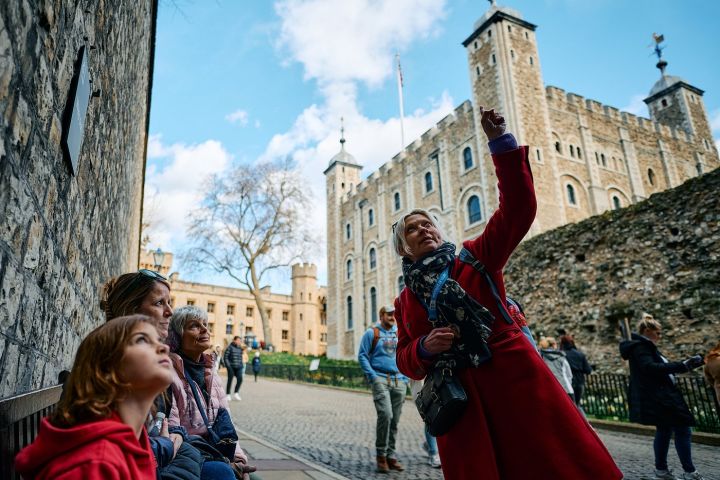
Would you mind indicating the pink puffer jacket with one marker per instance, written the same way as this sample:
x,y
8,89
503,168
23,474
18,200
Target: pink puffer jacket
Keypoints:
x,y
184,411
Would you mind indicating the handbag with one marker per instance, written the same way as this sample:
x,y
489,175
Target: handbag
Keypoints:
x,y
221,434
442,399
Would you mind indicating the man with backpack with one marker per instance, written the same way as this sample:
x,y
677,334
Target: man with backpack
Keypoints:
x,y
389,386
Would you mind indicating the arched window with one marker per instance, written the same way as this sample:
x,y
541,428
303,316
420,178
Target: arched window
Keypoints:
x,y
571,194
572,151
372,259
579,153
651,176
473,210
396,199
428,182
616,202
348,231
401,283
602,160
467,158
371,217
348,269
373,305
558,147
349,313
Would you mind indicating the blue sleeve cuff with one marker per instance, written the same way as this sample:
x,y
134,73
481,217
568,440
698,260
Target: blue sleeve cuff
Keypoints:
x,y
504,143
424,354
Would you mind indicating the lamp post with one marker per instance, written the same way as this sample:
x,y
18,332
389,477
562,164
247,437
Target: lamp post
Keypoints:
x,y
158,257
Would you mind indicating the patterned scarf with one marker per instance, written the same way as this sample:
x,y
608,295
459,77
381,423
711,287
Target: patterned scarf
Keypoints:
x,y
455,308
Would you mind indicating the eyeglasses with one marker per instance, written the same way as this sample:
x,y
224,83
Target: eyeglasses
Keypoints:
x,y
394,226
151,274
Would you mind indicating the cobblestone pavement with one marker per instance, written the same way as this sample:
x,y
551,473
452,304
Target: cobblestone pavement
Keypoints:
x,y
337,429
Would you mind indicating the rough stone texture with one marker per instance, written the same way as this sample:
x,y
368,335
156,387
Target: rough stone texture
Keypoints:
x,y
610,159
63,234
660,256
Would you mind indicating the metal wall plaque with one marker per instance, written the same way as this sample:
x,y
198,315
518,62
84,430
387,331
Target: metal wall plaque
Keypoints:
x,y
74,131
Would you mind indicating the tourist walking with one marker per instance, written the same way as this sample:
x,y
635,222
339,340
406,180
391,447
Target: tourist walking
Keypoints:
x,y
655,399
712,372
558,364
389,386
578,365
233,360
519,422
256,364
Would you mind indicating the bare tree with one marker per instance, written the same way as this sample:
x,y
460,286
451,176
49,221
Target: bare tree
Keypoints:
x,y
249,224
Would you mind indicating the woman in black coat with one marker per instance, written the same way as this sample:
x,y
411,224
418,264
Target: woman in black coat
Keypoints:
x,y
655,399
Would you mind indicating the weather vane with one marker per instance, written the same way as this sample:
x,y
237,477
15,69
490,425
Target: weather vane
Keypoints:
x,y
658,51
342,132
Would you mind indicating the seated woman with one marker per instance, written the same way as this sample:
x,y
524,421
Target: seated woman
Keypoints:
x,y
189,338
98,430
518,423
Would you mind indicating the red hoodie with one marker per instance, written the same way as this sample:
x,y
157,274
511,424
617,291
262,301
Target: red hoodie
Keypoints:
x,y
101,450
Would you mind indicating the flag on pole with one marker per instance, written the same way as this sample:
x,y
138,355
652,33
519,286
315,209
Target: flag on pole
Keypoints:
x,y
399,68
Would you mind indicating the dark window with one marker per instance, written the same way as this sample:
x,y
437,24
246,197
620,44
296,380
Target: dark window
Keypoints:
x,y
651,176
190,302
509,28
475,45
616,203
371,217
493,58
489,33
228,328
285,316
211,307
579,153
348,231
285,334
428,182
558,148
512,53
663,102
477,70
571,195
572,151
249,310
230,310
349,313
373,305
309,334
602,160
348,269
531,61
372,259
537,152
397,200
473,209
467,158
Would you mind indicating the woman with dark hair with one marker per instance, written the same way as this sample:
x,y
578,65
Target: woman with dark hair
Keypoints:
x,y
578,365
98,429
453,320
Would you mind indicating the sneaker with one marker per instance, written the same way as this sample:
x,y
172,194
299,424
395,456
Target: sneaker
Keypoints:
x,y
229,398
692,476
664,475
434,461
237,396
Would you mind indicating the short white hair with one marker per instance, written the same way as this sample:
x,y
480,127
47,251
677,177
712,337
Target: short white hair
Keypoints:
x,y
401,246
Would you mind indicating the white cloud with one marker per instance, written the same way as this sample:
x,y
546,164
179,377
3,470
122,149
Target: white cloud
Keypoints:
x,y
155,148
636,106
238,116
173,190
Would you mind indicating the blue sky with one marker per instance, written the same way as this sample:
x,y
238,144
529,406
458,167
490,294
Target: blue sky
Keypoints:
x,y
253,80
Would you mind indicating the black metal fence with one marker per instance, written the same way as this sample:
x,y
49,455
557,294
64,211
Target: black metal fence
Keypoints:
x,y
605,394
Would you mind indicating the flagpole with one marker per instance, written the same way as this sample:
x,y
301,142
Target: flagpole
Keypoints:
x,y
400,98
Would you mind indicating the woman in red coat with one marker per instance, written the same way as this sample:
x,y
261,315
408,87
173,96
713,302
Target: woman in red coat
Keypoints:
x,y
519,422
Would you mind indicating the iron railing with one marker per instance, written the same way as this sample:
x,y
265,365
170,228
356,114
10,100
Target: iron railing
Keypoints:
x,y
605,394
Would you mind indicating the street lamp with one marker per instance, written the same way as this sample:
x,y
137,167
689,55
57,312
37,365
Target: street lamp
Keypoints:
x,y
158,257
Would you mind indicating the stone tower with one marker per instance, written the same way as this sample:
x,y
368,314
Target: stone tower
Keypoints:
x,y
676,103
341,178
305,318
505,74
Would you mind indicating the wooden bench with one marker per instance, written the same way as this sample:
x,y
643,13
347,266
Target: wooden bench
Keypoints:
x,y
20,422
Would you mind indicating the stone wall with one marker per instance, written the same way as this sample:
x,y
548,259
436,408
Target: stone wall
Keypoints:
x,y
62,233
660,256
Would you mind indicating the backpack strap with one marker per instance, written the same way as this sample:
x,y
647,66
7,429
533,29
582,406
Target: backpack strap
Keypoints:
x,y
467,257
376,338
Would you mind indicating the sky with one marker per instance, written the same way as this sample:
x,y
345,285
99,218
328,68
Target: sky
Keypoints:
x,y
240,82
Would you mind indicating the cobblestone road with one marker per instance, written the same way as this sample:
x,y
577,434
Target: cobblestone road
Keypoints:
x,y
337,429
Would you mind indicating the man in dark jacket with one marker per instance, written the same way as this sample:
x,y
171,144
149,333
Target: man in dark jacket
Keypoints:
x,y
578,364
655,399
233,359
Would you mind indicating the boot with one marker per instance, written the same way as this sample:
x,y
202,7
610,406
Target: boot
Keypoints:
x,y
393,464
382,464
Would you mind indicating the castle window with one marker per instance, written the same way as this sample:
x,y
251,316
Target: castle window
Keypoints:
x,y
371,217
373,305
571,194
285,334
651,176
537,154
602,160
301,317
309,334
285,316
400,283
190,302
249,310
475,45
348,302
230,309
396,200
509,28
211,307
616,202
348,269
493,58
526,38
699,168
477,70
489,33
473,210
467,158
512,53
572,151
372,259
428,182
323,337
228,328
663,102
597,158
558,147
348,231
531,60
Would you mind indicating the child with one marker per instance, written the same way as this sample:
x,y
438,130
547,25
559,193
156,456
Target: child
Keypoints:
x,y
98,430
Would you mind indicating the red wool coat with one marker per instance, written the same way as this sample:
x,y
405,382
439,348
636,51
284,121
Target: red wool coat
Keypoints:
x,y
519,422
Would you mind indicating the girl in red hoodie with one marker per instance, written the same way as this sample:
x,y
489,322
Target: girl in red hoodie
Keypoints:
x,y
98,430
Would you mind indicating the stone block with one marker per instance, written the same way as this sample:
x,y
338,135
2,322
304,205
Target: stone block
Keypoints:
x,y
11,288
7,62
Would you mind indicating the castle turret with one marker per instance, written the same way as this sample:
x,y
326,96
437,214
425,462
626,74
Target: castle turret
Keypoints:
x,y
305,318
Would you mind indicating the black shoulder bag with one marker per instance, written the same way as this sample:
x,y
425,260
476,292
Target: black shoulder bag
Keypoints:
x,y
221,434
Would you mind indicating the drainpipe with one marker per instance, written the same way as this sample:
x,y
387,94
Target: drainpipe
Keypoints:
x,y
362,204
437,165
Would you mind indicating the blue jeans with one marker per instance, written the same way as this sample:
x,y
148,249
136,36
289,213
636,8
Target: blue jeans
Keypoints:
x,y
216,471
389,396
683,441
431,443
